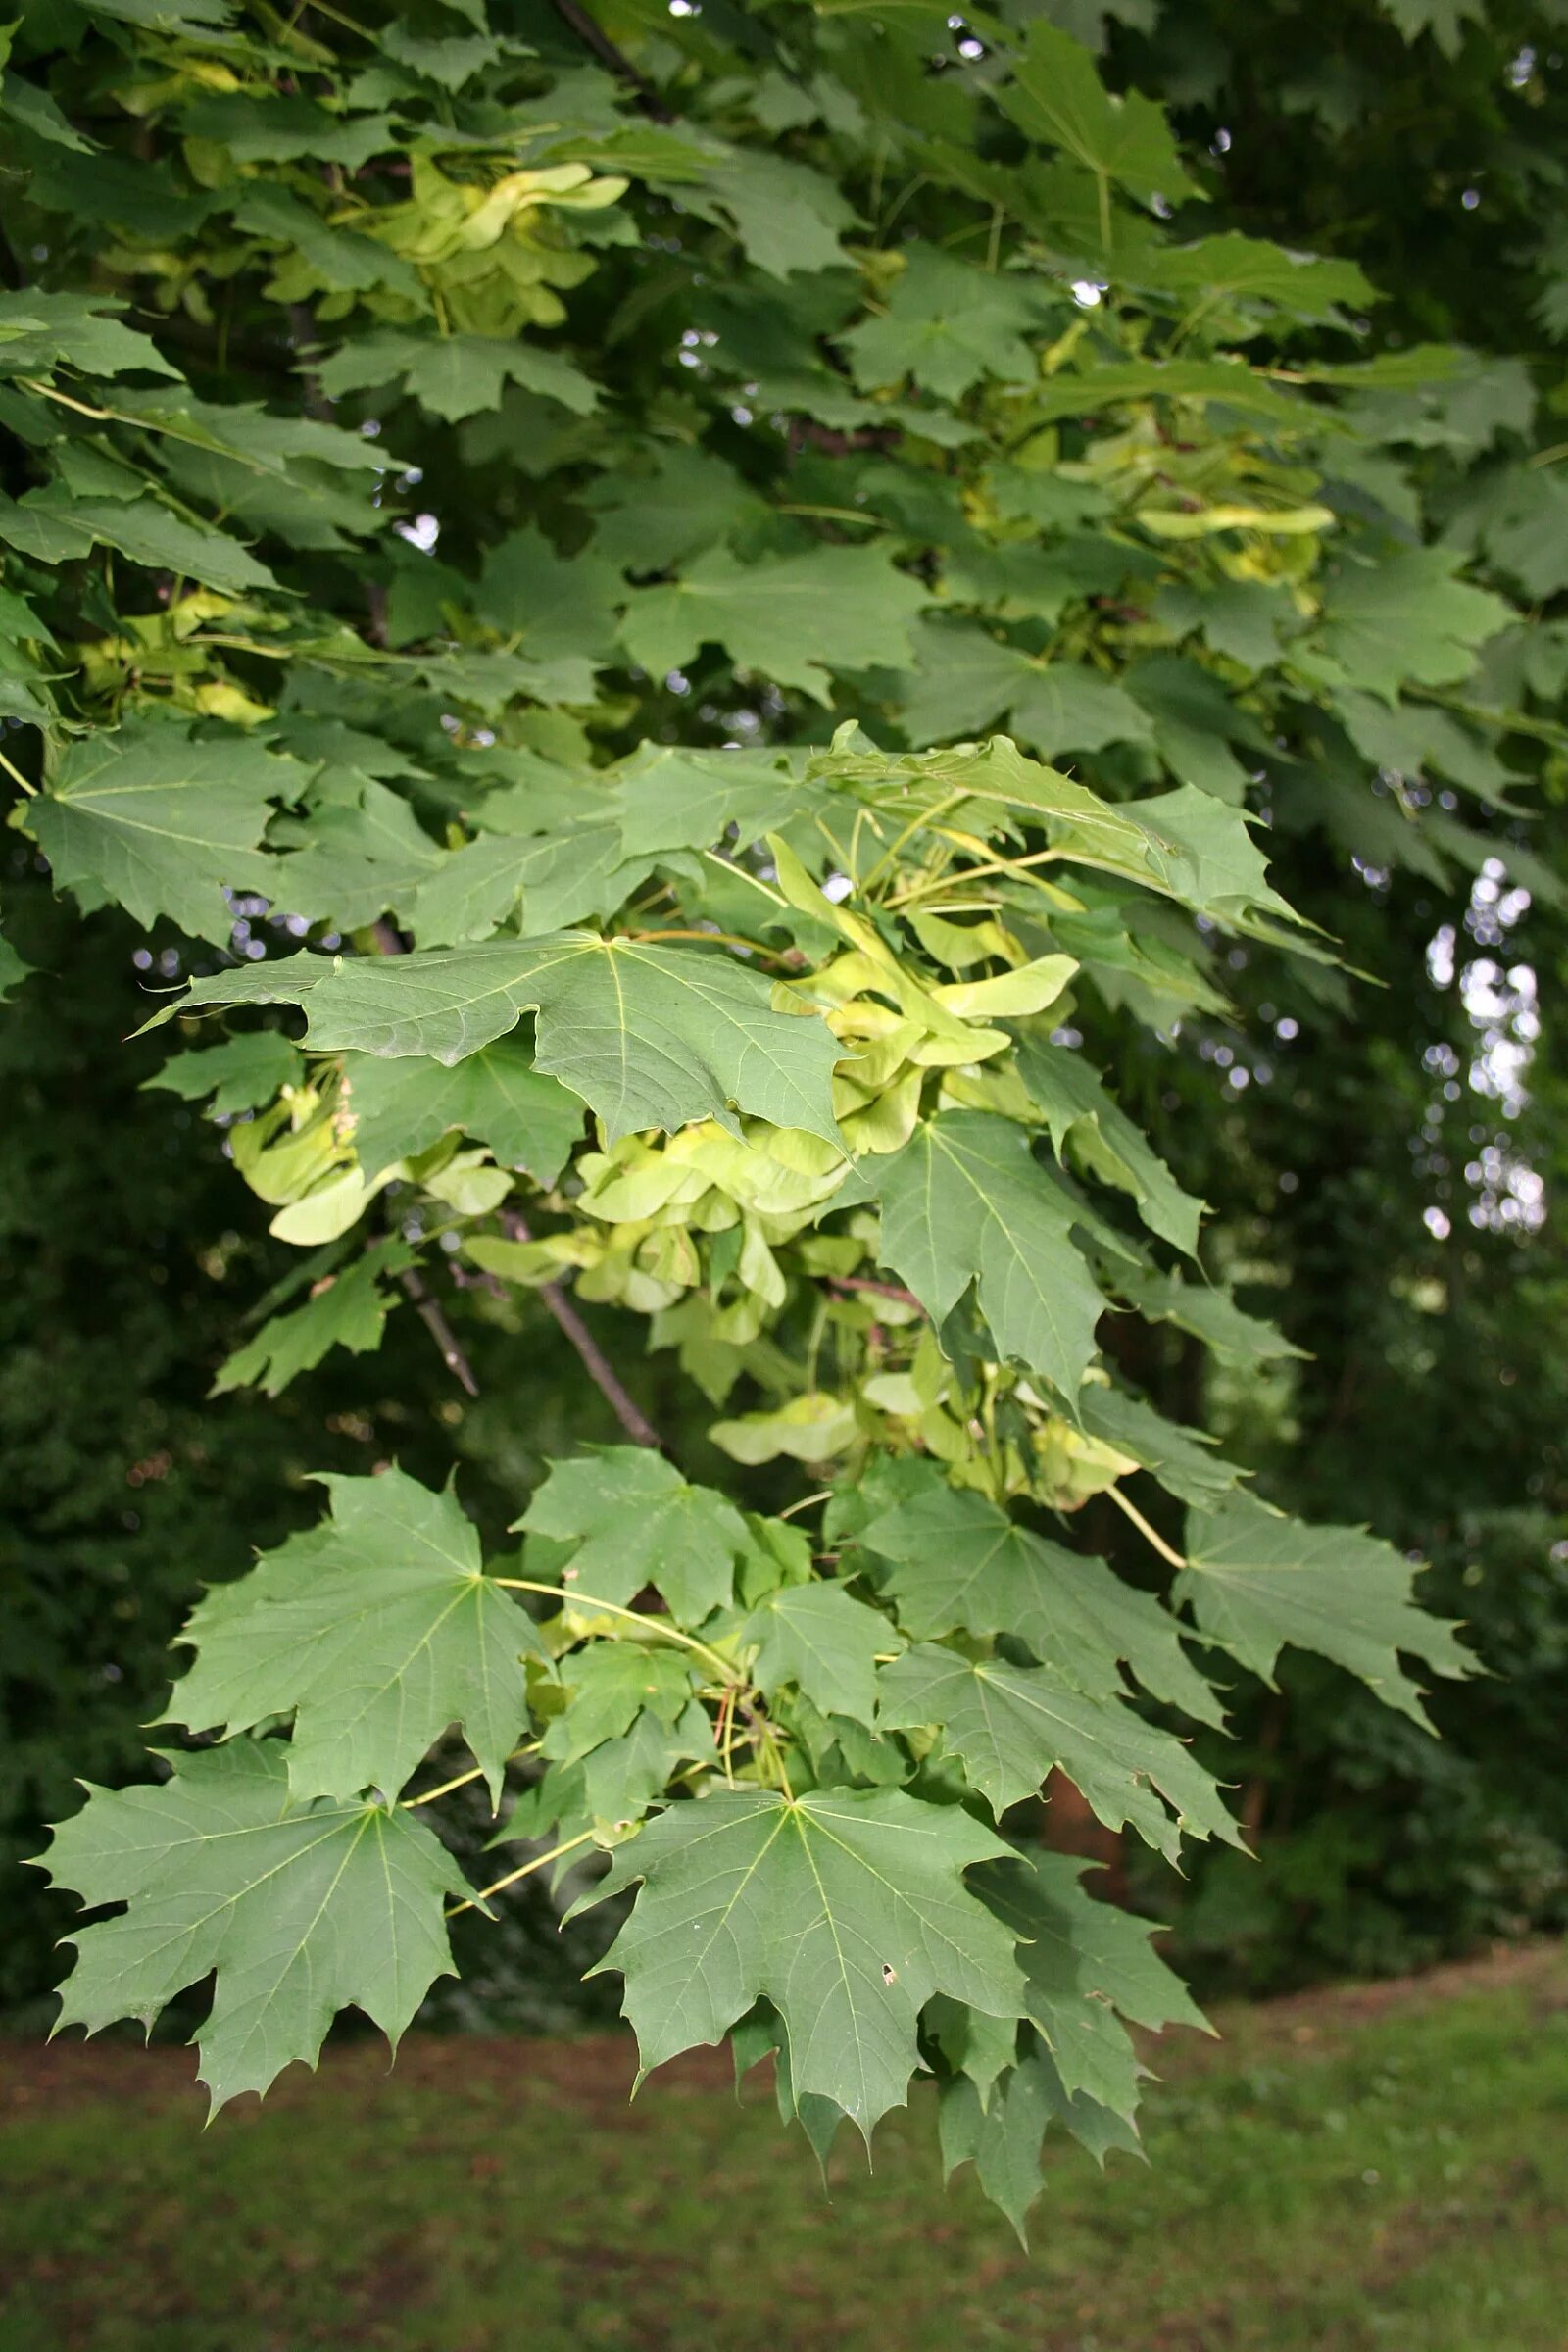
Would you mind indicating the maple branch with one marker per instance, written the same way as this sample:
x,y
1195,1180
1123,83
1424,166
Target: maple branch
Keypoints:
x,y
596,1363
589,1601
619,64
512,1876
461,1780
835,442
1150,1534
430,1312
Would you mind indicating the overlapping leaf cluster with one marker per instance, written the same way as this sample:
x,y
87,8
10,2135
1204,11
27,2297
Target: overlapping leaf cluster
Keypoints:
x,y
717,610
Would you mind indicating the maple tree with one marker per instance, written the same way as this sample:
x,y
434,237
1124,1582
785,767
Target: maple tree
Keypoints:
x,y
729,615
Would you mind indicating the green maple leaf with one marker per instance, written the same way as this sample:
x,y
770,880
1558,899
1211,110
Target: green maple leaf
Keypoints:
x,y
352,860
786,216
1412,737
347,1310
608,1685
378,1635
1199,850
258,441
340,257
455,375
1002,2138
965,679
1523,524
1066,706
686,500
966,1202
668,799
198,19
1444,20
551,882
161,822
1085,391
1078,1111
1182,1460
1257,1581
1194,721
795,618
400,1108
1239,619
962,679
1407,621
14,969
147,533
959,1561
1009,1725
980,2047
299,1909
556,605
1088,1965
1211,1316
650,1035
449,60
948,324
1184,844
39,331
240,1074
616,1780
36,112
826,1644
846,1908
637,1522
1056,95
994,772
622,1778
761,2034
283,130
1253,270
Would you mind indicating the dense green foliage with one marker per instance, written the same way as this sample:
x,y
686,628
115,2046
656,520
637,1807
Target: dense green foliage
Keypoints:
x,y
1429,158
549,501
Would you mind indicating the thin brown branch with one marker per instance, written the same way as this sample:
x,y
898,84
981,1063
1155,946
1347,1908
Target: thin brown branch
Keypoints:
x,y
619,64
880,1290
314,400
836,443
430,1312
596,1363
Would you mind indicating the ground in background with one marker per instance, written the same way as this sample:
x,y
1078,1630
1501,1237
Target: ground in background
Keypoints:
x,y
1374,2167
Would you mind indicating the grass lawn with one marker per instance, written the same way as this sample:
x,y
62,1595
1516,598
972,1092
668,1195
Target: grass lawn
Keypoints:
x,y
1383,2166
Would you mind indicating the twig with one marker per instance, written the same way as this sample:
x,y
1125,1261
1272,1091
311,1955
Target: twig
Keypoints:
x,y
429,1312
17,777
718,939
491,1284
587,1603
461,1780
835,443
619,64
527,1869
806,1502
1150,1534
882,1290
596,1363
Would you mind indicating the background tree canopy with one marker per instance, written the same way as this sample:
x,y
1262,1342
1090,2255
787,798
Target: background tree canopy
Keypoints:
x,y
843,684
